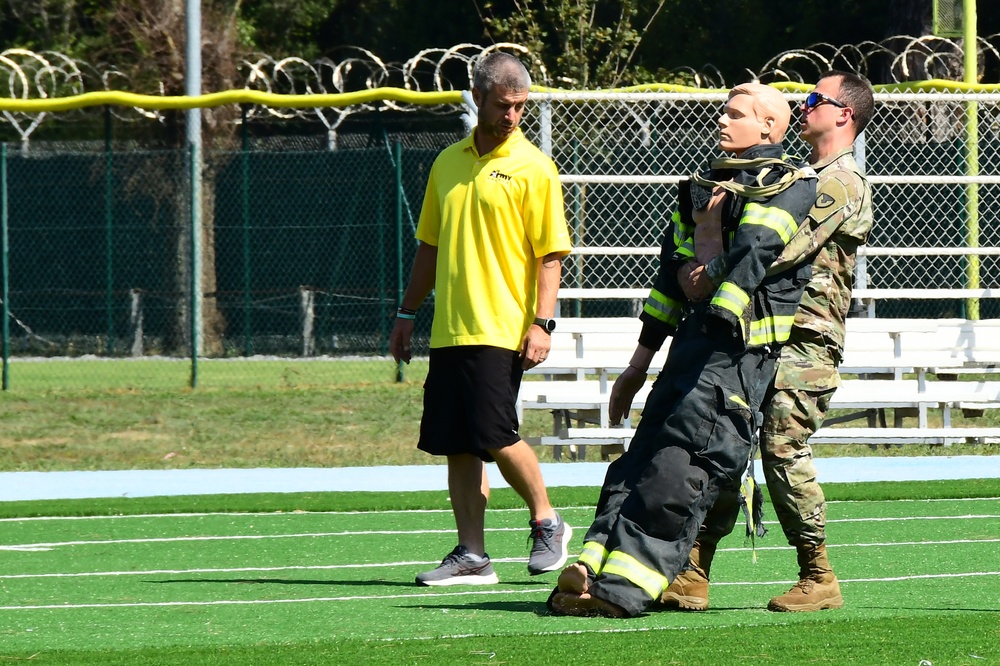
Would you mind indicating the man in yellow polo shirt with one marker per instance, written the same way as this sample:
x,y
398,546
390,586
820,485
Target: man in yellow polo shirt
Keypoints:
x,y
492,235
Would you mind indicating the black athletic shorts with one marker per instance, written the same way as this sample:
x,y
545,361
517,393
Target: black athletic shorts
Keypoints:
x,y
470,401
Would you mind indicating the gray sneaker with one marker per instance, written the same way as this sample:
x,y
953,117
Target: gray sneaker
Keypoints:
x,y
460,568
550,539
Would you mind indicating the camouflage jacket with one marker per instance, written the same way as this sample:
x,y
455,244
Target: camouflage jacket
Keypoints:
x,y
838,223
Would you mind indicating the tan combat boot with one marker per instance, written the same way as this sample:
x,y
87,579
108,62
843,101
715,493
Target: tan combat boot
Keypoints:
x,y
817,588
689,591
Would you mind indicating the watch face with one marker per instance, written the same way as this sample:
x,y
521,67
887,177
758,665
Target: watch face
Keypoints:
x,y
547,325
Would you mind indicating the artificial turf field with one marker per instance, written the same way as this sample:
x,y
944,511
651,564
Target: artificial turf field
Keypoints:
x,y
328,579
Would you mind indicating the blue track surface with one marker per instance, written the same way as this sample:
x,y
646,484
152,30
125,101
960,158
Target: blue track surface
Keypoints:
x,y
148,483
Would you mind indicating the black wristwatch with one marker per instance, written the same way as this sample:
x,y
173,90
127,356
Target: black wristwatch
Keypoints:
x,y
548,325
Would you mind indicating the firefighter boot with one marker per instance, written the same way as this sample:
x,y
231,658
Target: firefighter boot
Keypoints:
x,y
817,588
689,591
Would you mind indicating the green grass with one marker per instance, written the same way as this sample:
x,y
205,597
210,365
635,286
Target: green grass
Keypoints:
x,y
28,375
278,579
326,578
244,414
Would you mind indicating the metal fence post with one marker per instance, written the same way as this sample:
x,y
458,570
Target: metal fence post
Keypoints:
x,y
135,320
398,150
109,229
383,281
861,267
6,273
972,207
545,127
972,228
578,228
971,64
195,305
192,130
307,308
245,192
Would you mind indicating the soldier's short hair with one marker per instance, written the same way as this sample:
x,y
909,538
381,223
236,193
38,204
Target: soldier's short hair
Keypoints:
x,y
856,92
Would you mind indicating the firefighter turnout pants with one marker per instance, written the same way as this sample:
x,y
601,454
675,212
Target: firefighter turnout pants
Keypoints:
x,y
694,439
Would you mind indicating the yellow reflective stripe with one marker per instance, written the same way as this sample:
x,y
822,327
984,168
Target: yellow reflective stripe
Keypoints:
x,y
637,573
777,220
739,401
771,329
662,307
593,556
680,229
732,298
686,249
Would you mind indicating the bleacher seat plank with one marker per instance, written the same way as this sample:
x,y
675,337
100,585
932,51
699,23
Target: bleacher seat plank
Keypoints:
x,y
606,436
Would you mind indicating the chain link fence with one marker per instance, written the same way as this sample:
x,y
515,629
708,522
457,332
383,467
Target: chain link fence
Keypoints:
x,y
306,242
936,202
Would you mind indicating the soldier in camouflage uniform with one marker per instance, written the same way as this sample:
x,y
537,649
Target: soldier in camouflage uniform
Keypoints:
x,y
807,376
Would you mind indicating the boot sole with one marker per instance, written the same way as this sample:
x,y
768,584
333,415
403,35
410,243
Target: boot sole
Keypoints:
x,y
678,602
826,604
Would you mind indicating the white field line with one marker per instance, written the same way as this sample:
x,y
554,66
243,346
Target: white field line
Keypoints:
x,y
377,565
239,537
265,514
431,595
353,533
254,602
281,514
921,501
899,519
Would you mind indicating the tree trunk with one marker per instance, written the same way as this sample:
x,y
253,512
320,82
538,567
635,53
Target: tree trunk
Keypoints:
x,y
213,324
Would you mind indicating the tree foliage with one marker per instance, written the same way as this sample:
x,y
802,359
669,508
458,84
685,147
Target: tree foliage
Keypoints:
x,y
286,27
583,43
735,38
143,39
42,24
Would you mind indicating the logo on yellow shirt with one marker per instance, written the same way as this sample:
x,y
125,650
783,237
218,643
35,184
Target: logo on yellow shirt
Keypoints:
x,y
496,175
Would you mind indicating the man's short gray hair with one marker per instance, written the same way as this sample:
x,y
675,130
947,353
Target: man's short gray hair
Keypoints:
x,y
500,69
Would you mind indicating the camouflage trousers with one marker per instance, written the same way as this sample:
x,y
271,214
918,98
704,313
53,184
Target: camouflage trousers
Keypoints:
x,y
790,417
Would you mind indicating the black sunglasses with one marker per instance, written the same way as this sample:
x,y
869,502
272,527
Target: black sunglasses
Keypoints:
x,y
816,98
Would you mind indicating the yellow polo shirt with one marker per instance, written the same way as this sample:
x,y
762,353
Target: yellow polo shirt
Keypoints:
x,y
490,218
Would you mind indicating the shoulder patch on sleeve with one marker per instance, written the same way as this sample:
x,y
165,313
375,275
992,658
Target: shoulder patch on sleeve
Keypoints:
x,y
832,194
850,181
824,200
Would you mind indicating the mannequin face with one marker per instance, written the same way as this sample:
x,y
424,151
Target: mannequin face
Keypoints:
x,y
739,127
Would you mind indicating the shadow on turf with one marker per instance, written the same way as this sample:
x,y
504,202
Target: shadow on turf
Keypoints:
x,y
535,607
935,609
285,581
539,608
298,581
